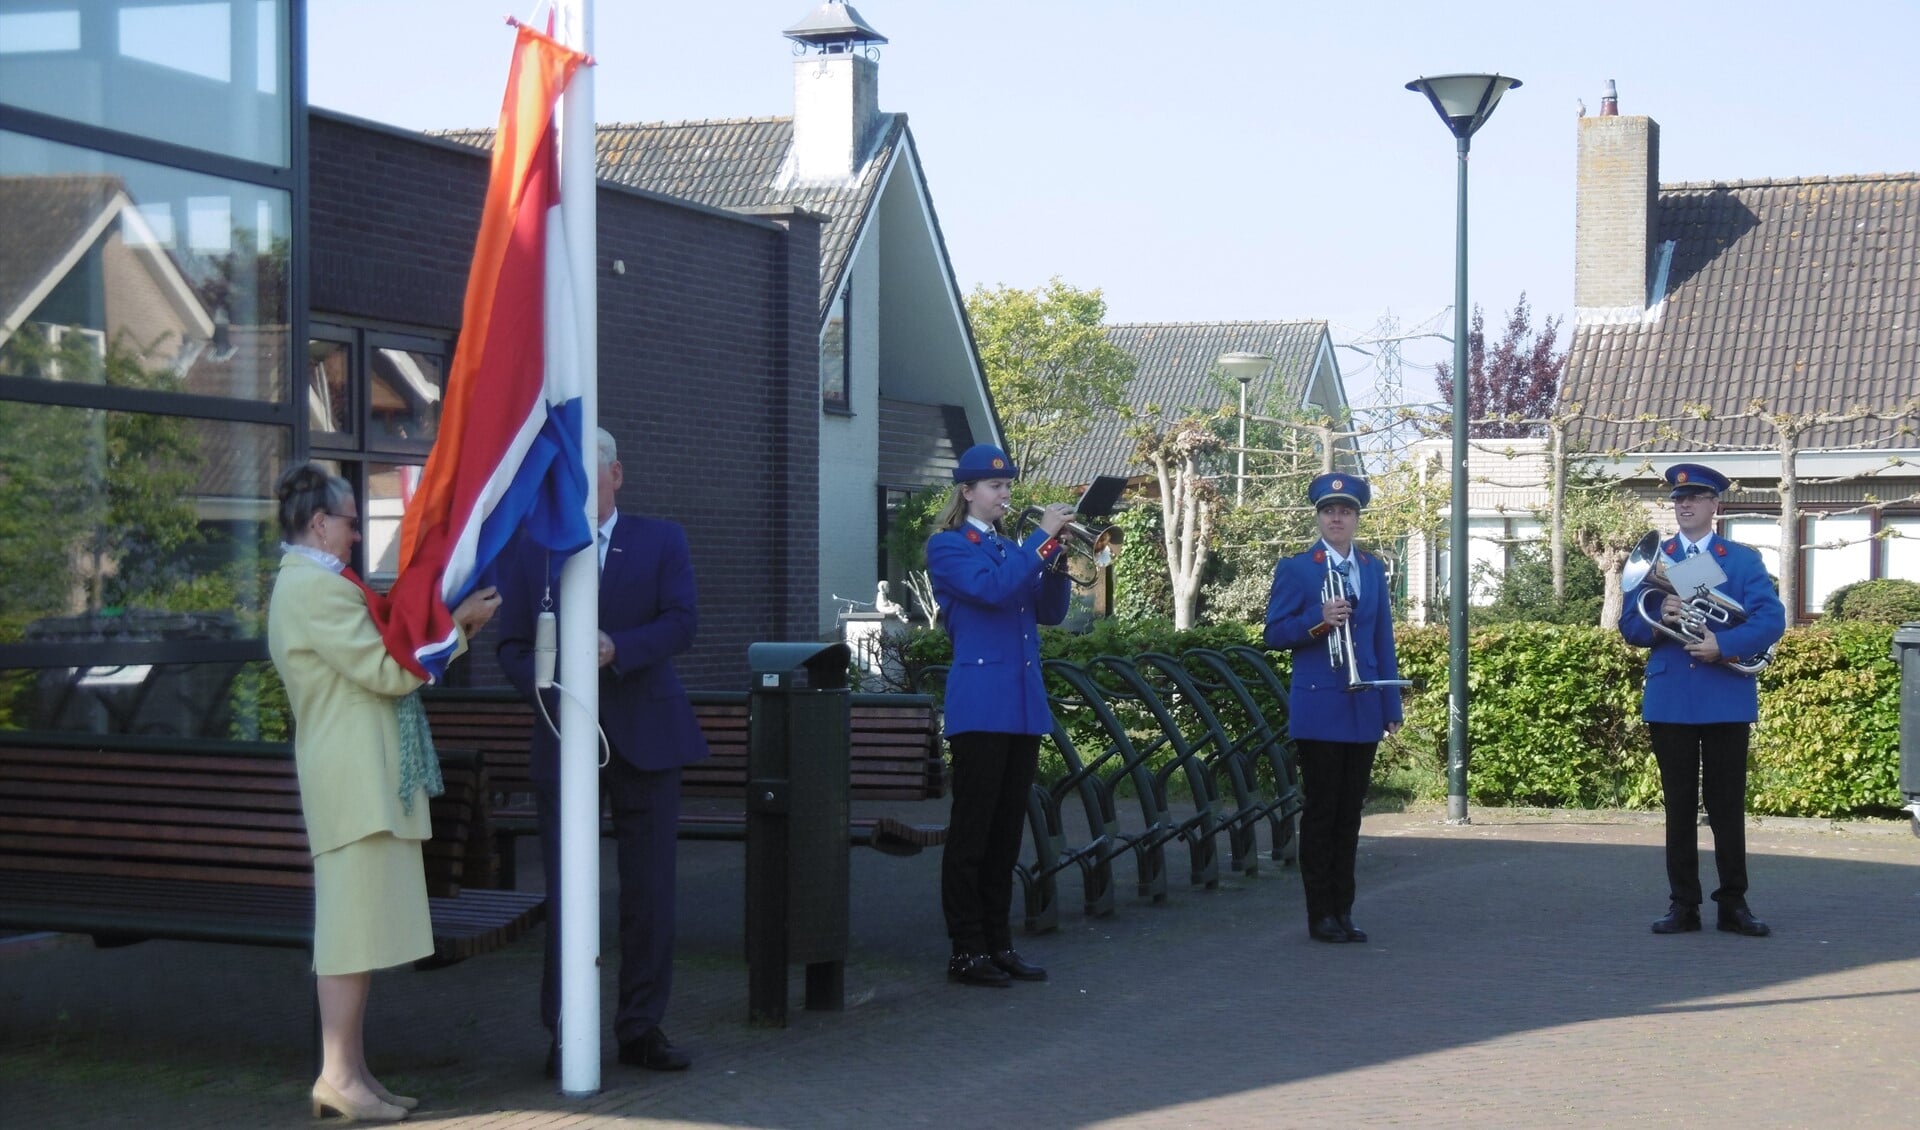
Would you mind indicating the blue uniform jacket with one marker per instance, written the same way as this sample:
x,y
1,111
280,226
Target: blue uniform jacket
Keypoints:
x,y
647,606
1679,687
993,598
1319,705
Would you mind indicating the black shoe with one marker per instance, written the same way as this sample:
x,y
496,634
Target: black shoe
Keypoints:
x,y
552,1070
1326,929
1353,933
1682,918
977,969
654,1052
1019,968
1740,920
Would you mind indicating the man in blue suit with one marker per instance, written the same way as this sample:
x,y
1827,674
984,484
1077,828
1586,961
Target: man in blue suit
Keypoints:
x,y
1336,728
1699,711
647,617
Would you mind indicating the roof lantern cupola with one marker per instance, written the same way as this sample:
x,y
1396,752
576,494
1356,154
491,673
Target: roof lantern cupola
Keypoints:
x,y
833,28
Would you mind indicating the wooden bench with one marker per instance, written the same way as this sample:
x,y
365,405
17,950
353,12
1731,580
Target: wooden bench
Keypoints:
x,y
894,755
127,838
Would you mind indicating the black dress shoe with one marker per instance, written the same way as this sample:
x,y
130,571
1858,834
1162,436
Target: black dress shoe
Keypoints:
x,y
1019,968
977,969
1681,918
1740,920
654,1052
1353,933
1326,929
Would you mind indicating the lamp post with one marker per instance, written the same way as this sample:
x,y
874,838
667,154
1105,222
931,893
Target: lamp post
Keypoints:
x,y
1464,102
1243,367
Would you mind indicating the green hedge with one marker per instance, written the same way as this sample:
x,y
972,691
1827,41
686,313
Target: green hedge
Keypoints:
x,y
1555,718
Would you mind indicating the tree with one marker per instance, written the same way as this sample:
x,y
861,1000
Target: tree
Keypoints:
x,y
1604,522
1511,391
1049,364
1188,499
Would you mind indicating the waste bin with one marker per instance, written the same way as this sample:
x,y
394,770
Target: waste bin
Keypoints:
x,y
798,722
1906,655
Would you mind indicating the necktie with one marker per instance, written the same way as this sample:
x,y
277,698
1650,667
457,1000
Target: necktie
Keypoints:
x,y
1346,585
602,540
1693,549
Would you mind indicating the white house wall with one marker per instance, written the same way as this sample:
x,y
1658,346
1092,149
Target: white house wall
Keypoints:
x,y
850,448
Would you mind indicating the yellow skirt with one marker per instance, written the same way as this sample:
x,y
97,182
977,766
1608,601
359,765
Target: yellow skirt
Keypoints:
x,y
370,906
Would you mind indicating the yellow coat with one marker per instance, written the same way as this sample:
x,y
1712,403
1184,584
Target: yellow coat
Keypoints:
x,y
342,685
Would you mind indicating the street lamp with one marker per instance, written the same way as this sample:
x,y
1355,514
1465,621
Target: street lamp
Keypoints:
x,y
1243,367
1464,102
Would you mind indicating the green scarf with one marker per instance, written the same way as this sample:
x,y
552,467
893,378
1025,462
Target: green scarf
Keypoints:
x,y
419,764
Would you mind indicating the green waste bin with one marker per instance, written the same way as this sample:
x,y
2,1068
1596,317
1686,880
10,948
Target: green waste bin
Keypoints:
x,y
798,724
1906,655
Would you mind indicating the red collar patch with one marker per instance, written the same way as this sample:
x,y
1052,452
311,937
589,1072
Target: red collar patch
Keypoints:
x,y
1719,548
1671,547
973,535
1319,556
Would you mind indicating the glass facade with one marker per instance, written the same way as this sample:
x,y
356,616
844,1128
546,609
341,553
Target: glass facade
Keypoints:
x,y
208,76
149,305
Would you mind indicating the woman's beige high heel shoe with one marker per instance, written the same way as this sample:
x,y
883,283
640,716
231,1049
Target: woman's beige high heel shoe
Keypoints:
x,y
404,1102
325,1099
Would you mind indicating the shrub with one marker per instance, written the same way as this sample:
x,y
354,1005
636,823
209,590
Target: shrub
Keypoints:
x,y
1890,601
1828,739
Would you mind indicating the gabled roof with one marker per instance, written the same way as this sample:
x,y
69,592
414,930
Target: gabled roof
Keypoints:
x,y
1176,365
741,164
1804,293
47,219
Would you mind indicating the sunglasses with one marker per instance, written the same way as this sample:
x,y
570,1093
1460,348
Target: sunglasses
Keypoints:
x,y
353,521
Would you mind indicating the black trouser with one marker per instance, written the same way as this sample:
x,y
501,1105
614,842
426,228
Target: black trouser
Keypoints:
x,y
992,774
1334,776
1706,761
646,824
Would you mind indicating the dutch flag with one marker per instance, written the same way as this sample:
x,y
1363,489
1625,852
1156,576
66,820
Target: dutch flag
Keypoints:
x,y
509,452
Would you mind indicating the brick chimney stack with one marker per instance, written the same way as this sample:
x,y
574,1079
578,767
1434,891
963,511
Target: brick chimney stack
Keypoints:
x,y
1616,213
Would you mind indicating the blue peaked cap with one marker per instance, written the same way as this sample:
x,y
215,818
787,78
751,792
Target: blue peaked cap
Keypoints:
x,y
1339,486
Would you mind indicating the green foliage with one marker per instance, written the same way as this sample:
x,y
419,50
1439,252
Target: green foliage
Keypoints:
x,y
1525,591
1828,739
911,524
1049,364
1555,715
1890,601
1553,719
1142,589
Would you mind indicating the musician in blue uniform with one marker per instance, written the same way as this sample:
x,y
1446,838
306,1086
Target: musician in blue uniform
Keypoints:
x,y
993,594
1336,729
1699,711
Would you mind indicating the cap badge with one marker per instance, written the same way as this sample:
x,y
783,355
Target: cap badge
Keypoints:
x,y
1338,485
1680,476
999,463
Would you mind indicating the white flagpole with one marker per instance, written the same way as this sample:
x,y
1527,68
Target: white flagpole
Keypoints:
x,y
580,600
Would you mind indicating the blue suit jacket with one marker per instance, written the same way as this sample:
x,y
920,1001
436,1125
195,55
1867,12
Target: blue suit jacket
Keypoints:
x,y
993,601
1319,705
1679,687
647,605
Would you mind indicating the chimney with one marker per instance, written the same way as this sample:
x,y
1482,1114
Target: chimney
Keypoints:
x,y
1615,214
836,92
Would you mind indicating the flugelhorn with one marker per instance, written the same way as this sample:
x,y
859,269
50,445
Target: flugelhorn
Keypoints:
x,y
1096,545
1703,606
1340,640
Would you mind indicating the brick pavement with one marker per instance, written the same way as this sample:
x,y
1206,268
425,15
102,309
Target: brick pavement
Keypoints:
x,y
1512,982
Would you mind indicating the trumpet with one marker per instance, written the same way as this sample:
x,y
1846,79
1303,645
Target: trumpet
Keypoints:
x,y
1096,545
1340,650
1703,606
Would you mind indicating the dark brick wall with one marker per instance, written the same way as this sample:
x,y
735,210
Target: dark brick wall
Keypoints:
x,y
708,360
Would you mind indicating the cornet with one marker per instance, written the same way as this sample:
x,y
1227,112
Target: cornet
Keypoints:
x,y
1704,607
1097,546
1340,640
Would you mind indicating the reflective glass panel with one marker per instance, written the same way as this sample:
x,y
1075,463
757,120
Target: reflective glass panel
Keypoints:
x,y
212,76
329,388
127,273
390,488
405,392
134,527
237,700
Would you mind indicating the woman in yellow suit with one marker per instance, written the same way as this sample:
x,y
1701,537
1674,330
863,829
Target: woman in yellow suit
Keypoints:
x,y
363,791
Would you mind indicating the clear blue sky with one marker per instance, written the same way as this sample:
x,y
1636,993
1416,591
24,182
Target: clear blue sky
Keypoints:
x,y
1238,159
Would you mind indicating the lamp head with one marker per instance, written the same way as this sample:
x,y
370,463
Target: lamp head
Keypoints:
x,y
1464,102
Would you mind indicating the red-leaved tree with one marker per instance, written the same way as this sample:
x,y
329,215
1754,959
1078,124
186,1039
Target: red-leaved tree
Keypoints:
x,y
1519,380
